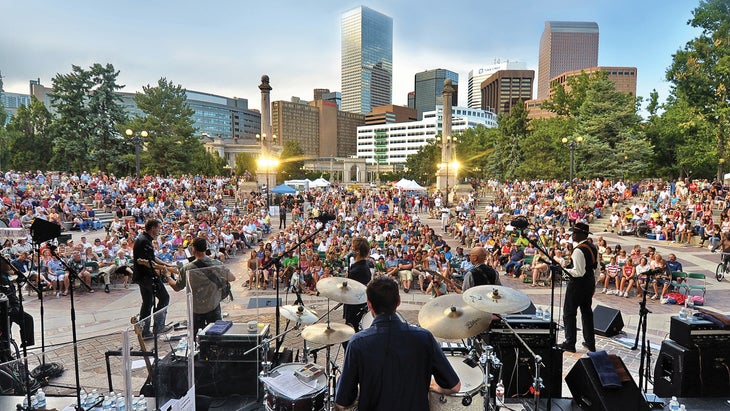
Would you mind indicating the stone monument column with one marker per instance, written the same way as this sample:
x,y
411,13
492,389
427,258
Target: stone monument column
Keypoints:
x,y
262,173
446,175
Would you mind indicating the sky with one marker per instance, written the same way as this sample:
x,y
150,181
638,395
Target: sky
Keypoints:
x,y
224,46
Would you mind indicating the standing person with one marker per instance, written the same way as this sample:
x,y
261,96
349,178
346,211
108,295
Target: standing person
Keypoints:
x,y
150,284
391,363
207,287
360,272
23,319
481,273
282,215
580,290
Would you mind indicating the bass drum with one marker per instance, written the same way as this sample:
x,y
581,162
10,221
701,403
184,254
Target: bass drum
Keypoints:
x,y
472,381
285,392
367,320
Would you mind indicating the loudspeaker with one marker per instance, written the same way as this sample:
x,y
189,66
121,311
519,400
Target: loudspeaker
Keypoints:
x,y
677,371
588,392
531,310
695,372
518,371
607,321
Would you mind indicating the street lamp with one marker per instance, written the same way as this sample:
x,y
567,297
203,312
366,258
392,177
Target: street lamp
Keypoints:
x,y
261,138
572,144
268,164
454,165
137,140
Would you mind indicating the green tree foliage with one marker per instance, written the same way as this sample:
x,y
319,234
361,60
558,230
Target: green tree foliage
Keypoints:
x,y
171,147
508,155
567,99
700,72
105,112
245,162
71,129
545,157
28,142
422,166
291,162
473,148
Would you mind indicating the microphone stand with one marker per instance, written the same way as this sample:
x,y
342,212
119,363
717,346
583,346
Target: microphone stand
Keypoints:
x,y
277,262
20,279
645,356
73,275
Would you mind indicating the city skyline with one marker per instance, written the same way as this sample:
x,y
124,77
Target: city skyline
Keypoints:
x,y
225,48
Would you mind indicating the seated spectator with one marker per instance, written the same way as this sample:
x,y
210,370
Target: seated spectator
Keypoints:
x,y
628,277
663,279
56,276
610,274
516,255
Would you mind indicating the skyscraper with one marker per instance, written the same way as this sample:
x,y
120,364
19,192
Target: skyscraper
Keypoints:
x,y
478,75
505,88
565,46
367,60
429,89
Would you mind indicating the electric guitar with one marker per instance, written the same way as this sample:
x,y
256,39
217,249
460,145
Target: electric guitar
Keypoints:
x,y
140,338
158,267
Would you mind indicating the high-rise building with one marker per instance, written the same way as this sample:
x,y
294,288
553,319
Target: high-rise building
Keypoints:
x,y
478,75
505,88
429,87
565,46
366,59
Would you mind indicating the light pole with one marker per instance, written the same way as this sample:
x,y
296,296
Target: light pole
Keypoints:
x,y
137,140
572,144
454,165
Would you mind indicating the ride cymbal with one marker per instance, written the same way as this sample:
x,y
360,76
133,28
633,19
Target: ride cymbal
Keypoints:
x,y
451,318
327,333
496,299
298,313
342,290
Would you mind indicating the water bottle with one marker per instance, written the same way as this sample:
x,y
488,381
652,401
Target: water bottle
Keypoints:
x,y
84,398
33,402
538,313
142,403
546,315
674,404
106,405
683,312
93,397
121,405
499,393
41,396
682,407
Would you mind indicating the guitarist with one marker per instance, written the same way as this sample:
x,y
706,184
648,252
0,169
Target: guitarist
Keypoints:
x,y
151,286
205,309
581,287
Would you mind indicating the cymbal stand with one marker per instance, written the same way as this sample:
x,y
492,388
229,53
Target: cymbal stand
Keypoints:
x,y
537,384
488,357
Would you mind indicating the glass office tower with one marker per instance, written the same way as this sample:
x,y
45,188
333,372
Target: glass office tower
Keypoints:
x,y
367,60
429,86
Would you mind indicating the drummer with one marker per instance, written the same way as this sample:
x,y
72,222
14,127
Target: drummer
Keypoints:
x,y
481,273
359,271
392,364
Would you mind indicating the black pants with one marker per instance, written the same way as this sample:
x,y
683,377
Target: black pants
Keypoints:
x,y
201,320
25,321
149,288
579,294
282,221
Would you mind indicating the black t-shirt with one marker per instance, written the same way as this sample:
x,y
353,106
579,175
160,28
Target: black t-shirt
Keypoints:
x,y
143,249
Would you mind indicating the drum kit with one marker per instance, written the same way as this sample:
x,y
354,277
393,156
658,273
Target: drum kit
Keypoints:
x,y
303,385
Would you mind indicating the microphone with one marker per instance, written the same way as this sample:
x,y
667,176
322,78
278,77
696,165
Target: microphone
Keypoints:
x,y
520,222
326,217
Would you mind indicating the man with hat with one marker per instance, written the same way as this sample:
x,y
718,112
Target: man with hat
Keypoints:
x,y
580,290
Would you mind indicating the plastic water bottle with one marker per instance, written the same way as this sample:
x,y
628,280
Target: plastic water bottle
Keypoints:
x,y
538,313
33,402
674,404
546,315
499,393
41,396
682,407
683,312
106,405
121,405
84,398
141,403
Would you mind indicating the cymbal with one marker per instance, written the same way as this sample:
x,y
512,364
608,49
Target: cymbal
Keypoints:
x,y
298,313
450,317
323,333
496,299
342,290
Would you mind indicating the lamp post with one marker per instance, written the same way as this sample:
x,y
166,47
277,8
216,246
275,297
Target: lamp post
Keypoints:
x,y
268,164
572,144
454,165
137,140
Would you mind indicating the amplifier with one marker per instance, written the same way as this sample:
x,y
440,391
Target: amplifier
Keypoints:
x,y
535,331
696,332
231,345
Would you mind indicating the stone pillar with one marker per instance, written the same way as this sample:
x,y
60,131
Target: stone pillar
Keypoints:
x,y
262,174
446,177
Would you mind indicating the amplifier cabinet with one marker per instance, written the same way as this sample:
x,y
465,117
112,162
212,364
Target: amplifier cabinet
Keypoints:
x,y
231,346
700,371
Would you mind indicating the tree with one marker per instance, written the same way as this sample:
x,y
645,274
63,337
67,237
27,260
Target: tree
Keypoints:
x,y
105,113
507,155
245,162
291,161
545,156
171,147
700,72
473,148
422,166
71,130
29,139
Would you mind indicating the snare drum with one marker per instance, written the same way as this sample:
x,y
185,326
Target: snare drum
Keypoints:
x,y
294,394
367,319
472,380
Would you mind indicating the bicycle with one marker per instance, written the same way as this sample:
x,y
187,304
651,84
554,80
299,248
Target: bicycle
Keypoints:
x,y
723,268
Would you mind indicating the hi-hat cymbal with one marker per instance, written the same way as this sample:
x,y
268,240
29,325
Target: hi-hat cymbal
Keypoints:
x,y
496,299
342,290
450,317
298,313
327,333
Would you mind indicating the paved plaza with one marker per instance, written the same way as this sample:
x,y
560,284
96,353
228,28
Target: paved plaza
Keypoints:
x,y
101,317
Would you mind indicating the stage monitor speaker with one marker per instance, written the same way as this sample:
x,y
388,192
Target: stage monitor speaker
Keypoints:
x,y
588,392
531,310
42,230
677,371
607,321
518,371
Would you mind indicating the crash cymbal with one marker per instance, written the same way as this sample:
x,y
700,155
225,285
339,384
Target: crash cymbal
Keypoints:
x,y
327,333
298,313
450,317
342,290
496,299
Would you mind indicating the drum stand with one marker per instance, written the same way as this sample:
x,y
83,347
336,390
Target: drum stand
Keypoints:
x,y
486,358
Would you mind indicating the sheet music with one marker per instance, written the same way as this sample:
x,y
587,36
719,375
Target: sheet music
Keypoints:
x,y
289,385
